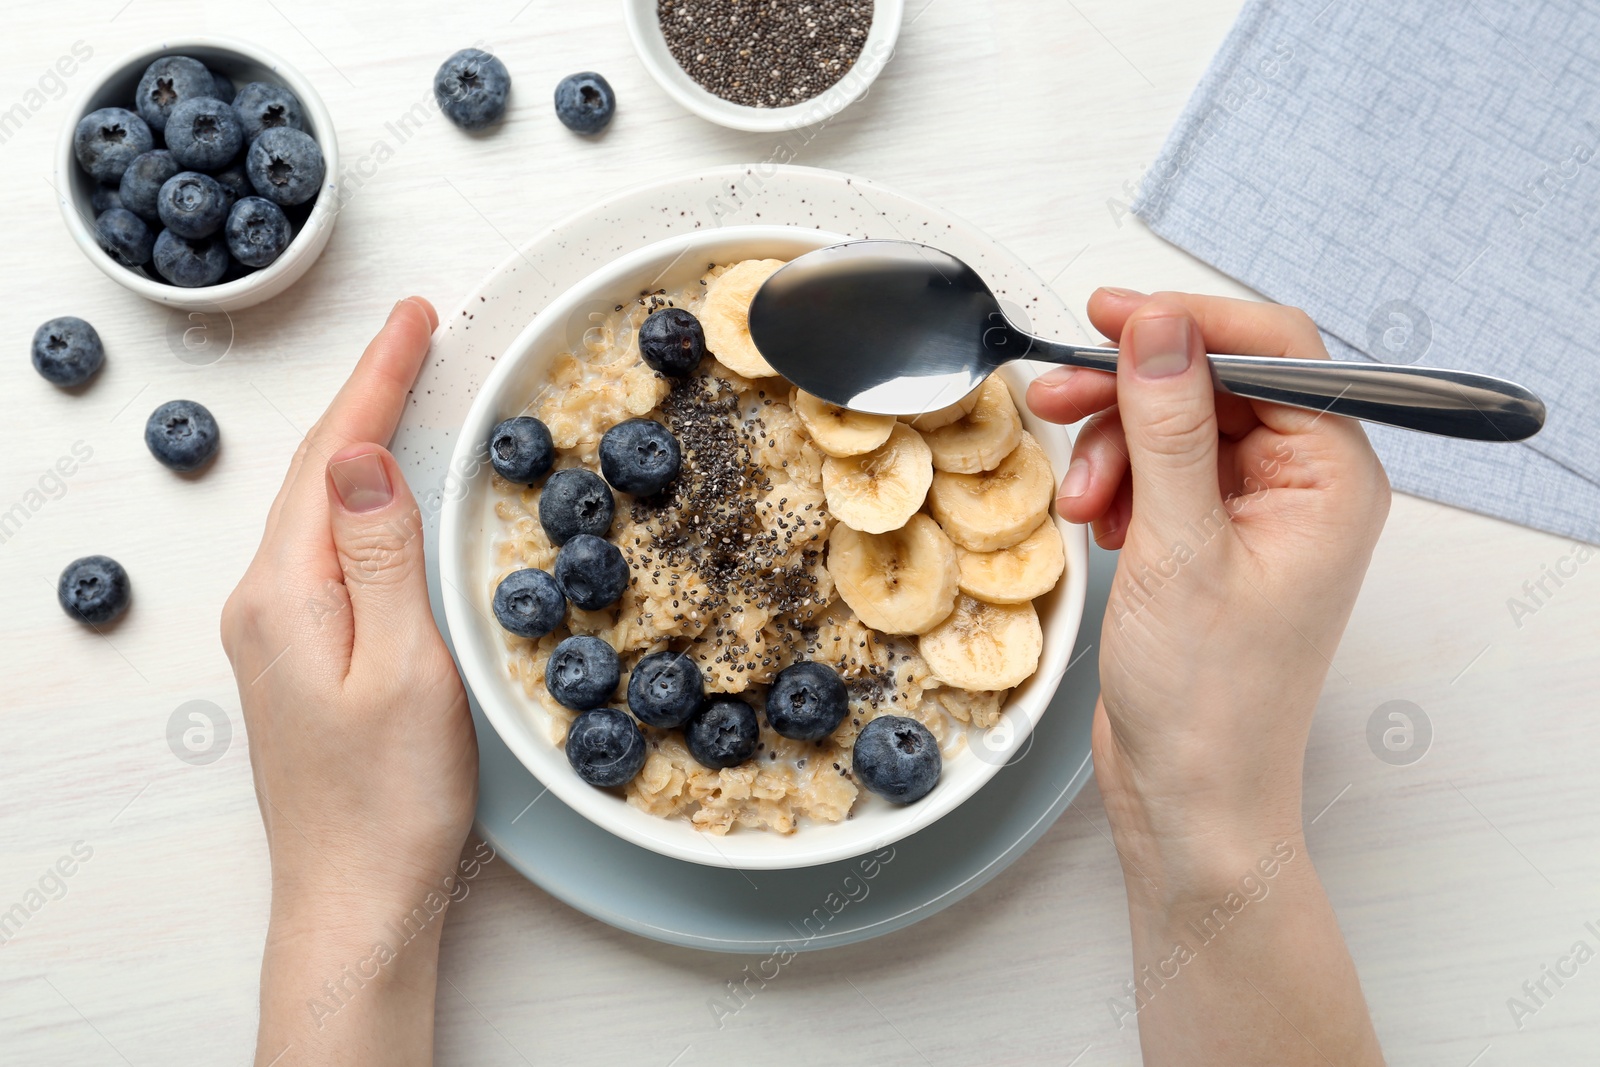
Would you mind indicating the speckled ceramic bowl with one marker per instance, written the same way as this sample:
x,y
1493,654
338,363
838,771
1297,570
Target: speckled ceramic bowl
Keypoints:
x,y
466,569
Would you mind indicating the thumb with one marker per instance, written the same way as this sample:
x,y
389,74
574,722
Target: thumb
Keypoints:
x,y
1168,413
377,532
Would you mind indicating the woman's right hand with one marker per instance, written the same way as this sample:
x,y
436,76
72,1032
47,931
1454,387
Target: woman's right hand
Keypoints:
x,y
1245,529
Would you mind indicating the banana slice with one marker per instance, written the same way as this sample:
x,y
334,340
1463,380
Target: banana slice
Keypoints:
x,y
1017,574
932,420
900,582
725,317
984,646
880,490
980,439
995,509
837,432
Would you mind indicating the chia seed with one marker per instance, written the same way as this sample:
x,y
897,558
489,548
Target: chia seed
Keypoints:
x,y
765,53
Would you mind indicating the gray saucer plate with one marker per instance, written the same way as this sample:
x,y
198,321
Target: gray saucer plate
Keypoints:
x,y
684,903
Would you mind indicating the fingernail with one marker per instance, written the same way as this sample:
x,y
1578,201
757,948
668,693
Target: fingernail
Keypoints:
x,y
1056,376
1076,482
362,482
1159,347
1125,294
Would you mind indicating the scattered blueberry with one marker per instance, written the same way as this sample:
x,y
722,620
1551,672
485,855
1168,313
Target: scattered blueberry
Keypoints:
x,y
582,672
639,456
168,82
221,85
285,165
124,236
529,603
807,701
585,102
591,572
93,589
671,341
722,734
521,450
665,689
107,140
67,351
575,501
235,181
105,197
471,88
204,133
142,182
897,758
605,747
265,107
181,434
190,263
192,205
257,231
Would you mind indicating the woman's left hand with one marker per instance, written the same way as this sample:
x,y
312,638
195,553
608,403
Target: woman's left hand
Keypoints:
x,y
360,738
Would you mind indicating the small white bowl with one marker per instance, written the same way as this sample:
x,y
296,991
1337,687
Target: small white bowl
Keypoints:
x,y
241,62
645,29
466,567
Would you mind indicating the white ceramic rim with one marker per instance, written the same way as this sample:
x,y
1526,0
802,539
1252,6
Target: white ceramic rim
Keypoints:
x,y
464,569
241,292
645,30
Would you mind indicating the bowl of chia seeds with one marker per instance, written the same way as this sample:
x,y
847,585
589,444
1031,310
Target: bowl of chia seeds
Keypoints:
x,y
764,65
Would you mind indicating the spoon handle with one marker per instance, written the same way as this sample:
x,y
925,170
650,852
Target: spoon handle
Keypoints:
x,y
1451,403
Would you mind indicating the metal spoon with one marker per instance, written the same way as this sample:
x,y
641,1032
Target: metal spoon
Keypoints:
x,y
898,328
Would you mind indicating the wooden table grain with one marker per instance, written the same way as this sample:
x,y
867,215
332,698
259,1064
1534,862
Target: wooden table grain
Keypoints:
x,y
1457,878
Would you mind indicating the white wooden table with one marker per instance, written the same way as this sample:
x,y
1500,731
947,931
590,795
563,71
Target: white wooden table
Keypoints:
x,y
1456,878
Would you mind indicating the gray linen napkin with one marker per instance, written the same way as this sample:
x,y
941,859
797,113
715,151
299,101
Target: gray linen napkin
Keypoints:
x,y
1423,177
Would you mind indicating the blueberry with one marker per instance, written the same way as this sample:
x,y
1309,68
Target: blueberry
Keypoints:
x,y
582,673
285,165
124,236
575,501
107,140
807,701
190,263
257,231
168,82
204,133
639,456
591,572
722,734
471,88
235,181
93,589
191,204
181,434
585,102
105,197
221,85
529,603
665,689
897,758
672,342
521,450
67,351
142,182
261,106
605,747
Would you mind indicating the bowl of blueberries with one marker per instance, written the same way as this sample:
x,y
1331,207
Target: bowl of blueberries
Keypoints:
x,y
200,173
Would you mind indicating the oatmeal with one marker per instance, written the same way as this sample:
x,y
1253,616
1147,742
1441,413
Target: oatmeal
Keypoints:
x,y
741,564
